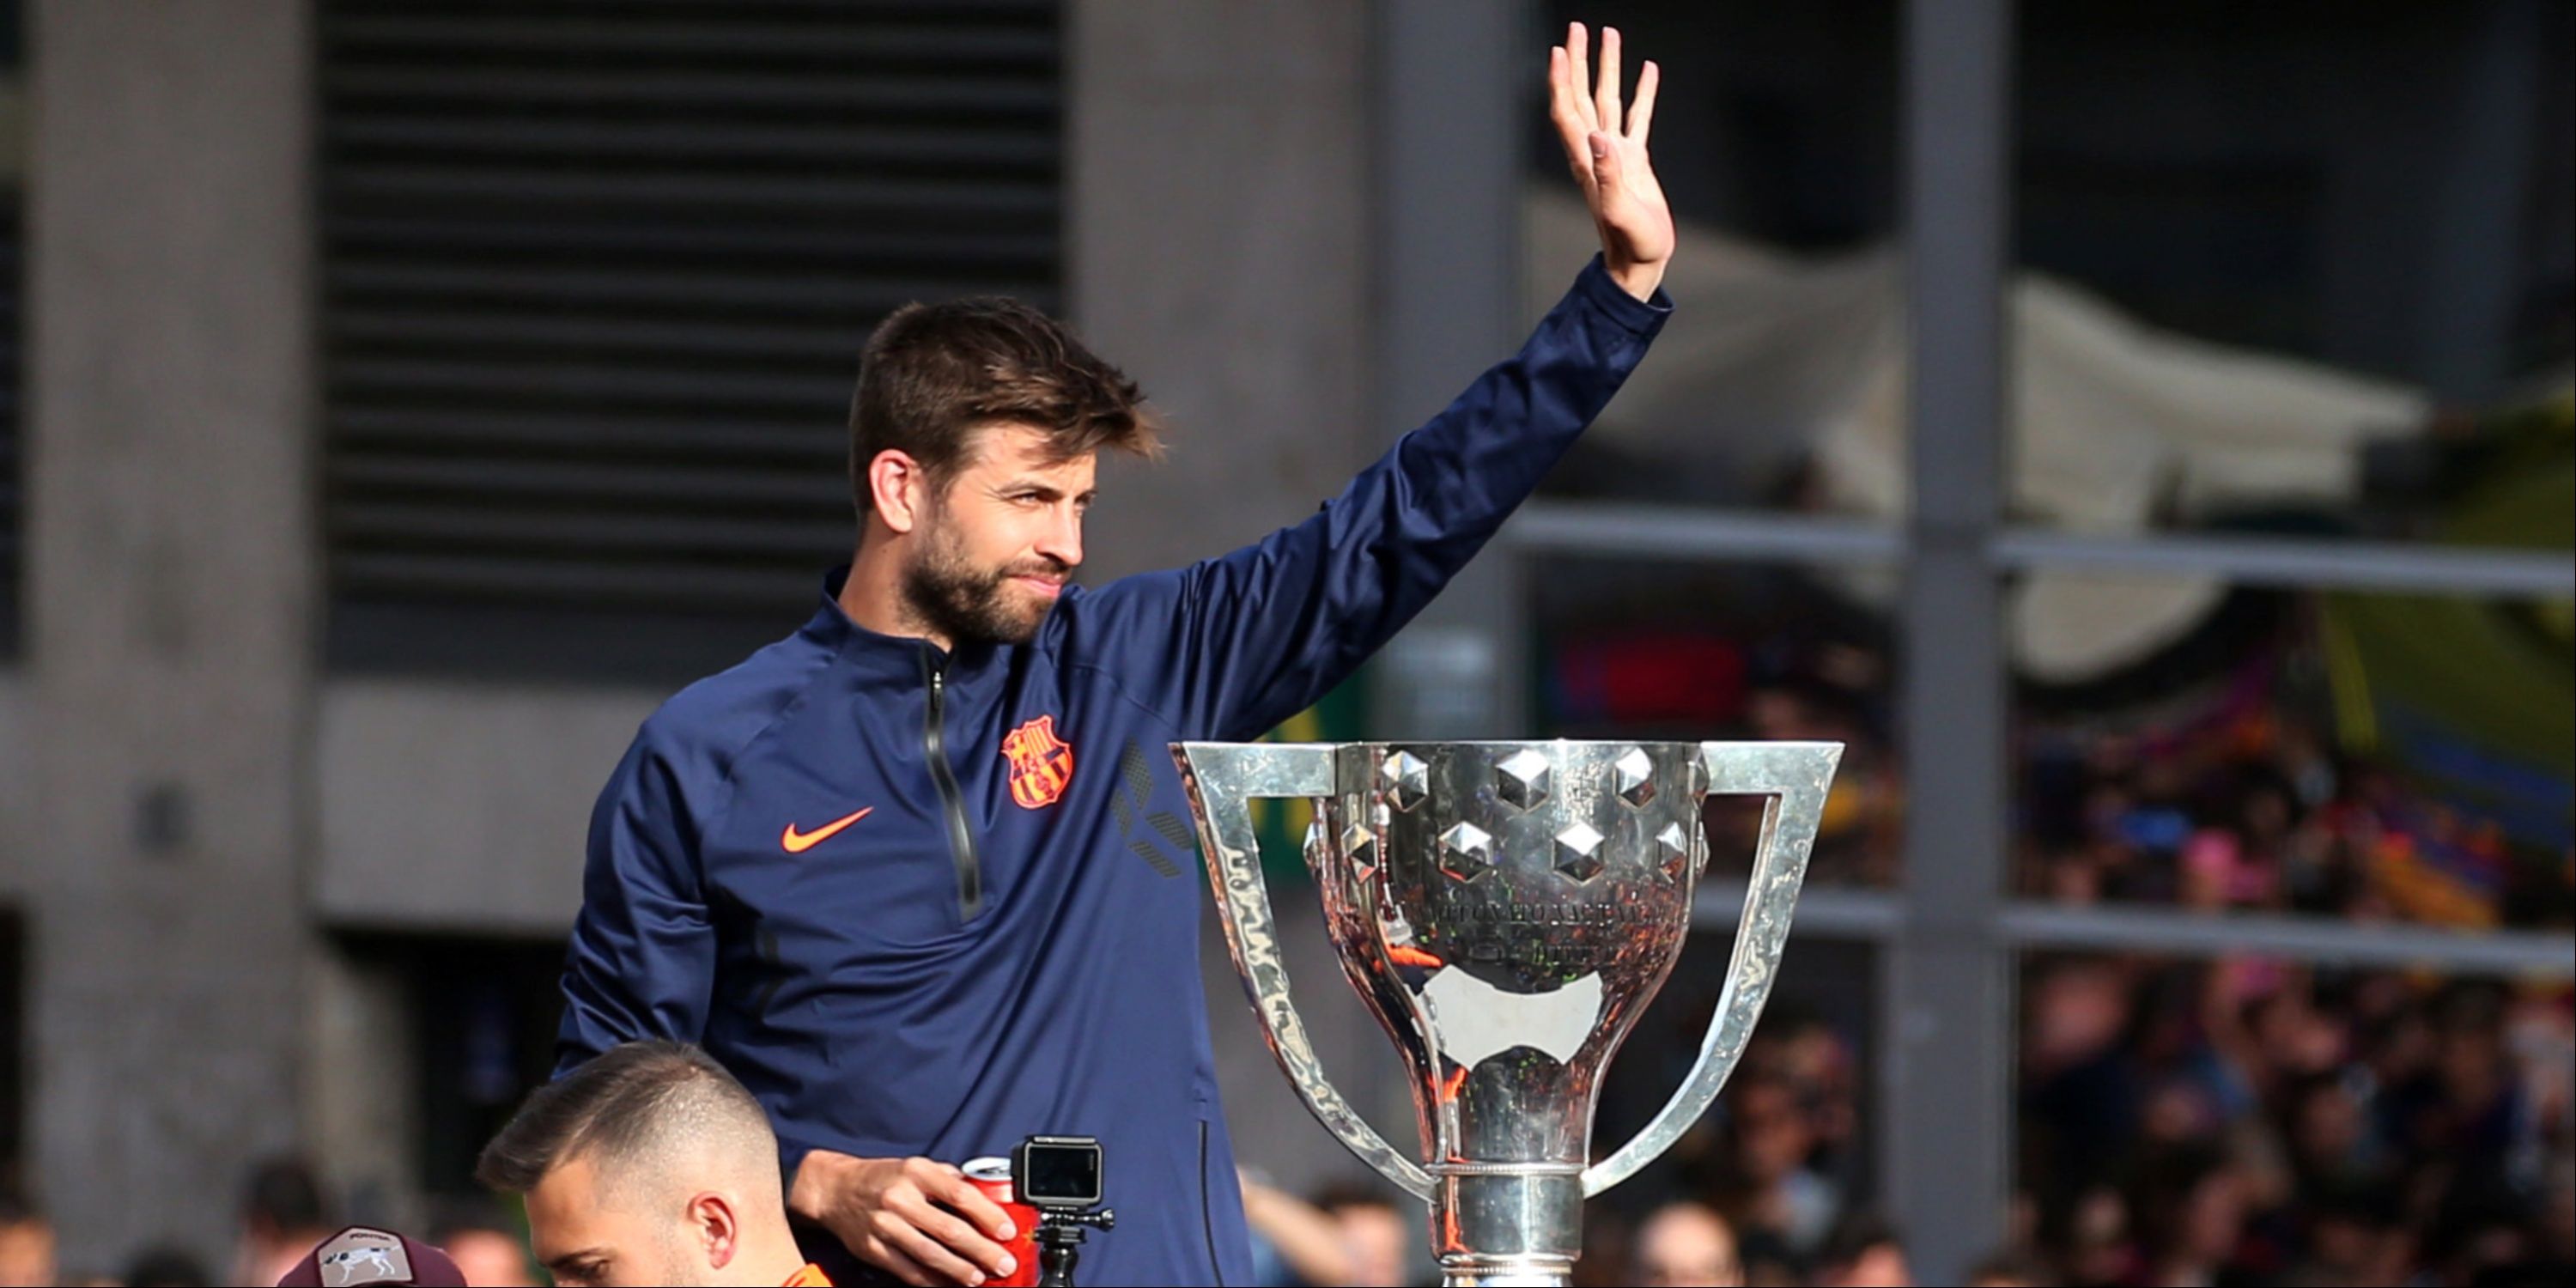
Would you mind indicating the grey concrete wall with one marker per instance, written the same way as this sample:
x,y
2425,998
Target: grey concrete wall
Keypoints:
x,y
171,590
452,806
17,789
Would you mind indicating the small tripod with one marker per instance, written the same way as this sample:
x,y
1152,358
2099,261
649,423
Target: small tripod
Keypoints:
x,y
1059,1239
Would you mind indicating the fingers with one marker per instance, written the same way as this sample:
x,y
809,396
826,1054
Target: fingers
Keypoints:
x,y
879,1253
1605,162
959,1195
953,1233
1641,114
1605,96
935,1263
1568,119
1581,74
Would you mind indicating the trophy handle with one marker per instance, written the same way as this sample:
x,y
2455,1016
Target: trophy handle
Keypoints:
x,y
1794,775
1222,779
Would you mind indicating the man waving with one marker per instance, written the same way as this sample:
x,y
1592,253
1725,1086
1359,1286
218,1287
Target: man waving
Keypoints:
x,y
918,874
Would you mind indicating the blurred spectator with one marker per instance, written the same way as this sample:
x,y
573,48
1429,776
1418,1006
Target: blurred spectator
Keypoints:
x,y
283,1216
1687,1243
168,1267
2192,1216
1765,1183
26,1244
1609,1249
649,1164
1863,1252
485,1246
1294,1244
2013,1269
1377,1238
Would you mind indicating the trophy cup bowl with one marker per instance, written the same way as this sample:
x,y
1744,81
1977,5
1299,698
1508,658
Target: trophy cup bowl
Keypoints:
x,y
1506,910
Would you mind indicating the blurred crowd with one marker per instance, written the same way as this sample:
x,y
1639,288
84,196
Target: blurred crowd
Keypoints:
x,y
285,1213
2228,770
2250,804
2243,1121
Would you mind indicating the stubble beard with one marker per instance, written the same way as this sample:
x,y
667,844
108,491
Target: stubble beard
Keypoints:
x,y
968,605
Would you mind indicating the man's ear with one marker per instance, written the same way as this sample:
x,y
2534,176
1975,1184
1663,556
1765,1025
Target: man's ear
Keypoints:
x,y
716,1226
899,489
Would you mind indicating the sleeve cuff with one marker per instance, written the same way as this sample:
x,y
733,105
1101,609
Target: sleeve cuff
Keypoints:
x,y
1642,317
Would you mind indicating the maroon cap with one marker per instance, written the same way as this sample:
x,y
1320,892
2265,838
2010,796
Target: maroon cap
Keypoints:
x,y
365,1255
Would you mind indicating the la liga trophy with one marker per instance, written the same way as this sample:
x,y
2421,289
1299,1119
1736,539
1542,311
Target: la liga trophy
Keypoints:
x,y
1507,909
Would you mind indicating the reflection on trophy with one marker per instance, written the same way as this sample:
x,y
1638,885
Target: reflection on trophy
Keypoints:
x,y
1507,909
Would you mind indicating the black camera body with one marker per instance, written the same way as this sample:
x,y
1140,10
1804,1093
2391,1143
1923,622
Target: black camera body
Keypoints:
x,y
1060,1177
1057,1173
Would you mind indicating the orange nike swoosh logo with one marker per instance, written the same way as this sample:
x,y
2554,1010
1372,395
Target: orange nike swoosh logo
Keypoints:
x,y
799,842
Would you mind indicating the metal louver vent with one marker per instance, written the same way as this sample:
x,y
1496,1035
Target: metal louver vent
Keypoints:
x,y
596,276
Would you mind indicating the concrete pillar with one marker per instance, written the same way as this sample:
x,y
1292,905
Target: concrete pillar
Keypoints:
x,y
172,589
1945,1082
1457,97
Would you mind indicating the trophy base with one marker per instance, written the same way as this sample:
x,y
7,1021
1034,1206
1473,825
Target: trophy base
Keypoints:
x,y
1506,1272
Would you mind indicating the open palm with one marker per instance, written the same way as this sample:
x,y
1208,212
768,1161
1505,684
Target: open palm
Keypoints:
x,y
1606,148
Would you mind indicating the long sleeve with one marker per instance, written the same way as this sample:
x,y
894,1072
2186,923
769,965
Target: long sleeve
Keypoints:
x,y
1229,647
642,960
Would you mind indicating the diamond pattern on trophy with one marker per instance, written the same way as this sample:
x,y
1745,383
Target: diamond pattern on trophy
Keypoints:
x,y
1521,780
1407,778
1361,845
1578,852
1673,845
1317,850
1635,773
1466,851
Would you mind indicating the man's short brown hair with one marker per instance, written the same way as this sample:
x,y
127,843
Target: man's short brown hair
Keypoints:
x,y
934,373
628,1102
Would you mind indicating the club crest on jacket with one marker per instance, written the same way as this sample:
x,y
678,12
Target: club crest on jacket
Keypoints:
x,y
1041,763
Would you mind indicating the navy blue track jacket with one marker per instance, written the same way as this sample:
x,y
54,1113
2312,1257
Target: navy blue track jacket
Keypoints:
x,y
1004,939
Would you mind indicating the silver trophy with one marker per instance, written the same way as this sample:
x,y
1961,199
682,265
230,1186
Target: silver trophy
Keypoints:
x,y
1507,909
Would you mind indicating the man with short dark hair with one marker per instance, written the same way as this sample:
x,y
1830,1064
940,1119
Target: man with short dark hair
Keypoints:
x,y
26,1242
1686,1243
483,1242
283,1215
920,874
1376,1233
649,1165
1863,1252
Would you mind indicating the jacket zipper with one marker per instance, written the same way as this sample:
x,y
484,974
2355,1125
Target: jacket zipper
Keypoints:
x,y
961,839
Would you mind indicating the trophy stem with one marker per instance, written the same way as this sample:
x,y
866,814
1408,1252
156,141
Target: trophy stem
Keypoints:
x,y
1498,1224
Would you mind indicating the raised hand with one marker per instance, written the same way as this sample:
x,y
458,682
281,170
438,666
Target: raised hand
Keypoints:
x,y
1607,151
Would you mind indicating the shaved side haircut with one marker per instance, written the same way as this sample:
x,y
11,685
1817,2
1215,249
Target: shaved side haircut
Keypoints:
x,y
639,1110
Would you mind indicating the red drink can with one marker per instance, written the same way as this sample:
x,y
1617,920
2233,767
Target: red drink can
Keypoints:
x,y
993,1177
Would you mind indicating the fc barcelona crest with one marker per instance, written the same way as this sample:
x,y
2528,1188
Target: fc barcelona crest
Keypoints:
x,y
1041,763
